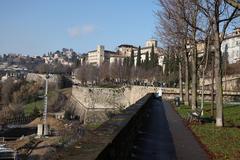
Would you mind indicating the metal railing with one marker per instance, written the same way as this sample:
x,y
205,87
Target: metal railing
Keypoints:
x,y
7,153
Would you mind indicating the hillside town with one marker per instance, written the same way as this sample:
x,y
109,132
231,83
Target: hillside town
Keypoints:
x,y
18,65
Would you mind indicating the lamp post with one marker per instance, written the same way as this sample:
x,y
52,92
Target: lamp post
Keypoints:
x,y
45,107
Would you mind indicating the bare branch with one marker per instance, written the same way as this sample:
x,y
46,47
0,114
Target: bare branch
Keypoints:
x,y
233,3
232,16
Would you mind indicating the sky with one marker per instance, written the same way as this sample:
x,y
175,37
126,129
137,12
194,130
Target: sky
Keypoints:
x,y
35,27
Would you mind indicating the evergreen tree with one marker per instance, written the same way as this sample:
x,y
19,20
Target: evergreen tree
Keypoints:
x,y
146,61
154,58
124,61
127,61
132,59
139,56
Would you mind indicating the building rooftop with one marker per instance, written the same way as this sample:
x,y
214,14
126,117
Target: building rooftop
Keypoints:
x,y
126,45
104,51
235,33
92,51
112,52
117,55
229,36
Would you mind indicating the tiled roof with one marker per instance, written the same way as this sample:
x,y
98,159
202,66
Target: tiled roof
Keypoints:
x,y
127,45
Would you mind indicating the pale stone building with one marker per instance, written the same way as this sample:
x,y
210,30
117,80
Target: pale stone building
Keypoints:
x,y
231,46
126,49
116,58
152,43
97,57
100,55
83,58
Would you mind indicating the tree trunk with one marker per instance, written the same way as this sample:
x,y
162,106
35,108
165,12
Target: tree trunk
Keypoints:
x,y
194,62
212,86
203,73
225,73
202,98
194,78
180,81
218,74
186,101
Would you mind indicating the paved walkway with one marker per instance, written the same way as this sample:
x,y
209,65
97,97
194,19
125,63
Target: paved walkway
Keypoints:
x,y
164,137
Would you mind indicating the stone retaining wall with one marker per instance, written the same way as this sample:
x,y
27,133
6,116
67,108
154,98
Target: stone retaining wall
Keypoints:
x,y
114,138
94,105
121,145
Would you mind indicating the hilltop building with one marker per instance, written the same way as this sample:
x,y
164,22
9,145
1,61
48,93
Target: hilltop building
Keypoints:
x,y
14,71
126,49
117,58
100,55
231,46
65,57
150,44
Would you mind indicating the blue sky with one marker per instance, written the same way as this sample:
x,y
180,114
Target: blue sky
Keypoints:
x,y
36,27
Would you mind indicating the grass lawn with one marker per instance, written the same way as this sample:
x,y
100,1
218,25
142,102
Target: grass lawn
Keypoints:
x,y
28,108
52,98
222,143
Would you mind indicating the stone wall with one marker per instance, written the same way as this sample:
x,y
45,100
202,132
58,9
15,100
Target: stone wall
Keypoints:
x,y
114,138
93,97
93,104
230,83
101,97
121,145
96,104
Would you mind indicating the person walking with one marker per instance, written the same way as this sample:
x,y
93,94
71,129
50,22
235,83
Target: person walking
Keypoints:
x,y
160,93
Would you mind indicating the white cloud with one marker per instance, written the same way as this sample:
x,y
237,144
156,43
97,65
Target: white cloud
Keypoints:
x,y
77,31
74,31
88,29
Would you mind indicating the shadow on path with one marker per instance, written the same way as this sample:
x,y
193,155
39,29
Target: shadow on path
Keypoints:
x,y
164,136
154,140
186,145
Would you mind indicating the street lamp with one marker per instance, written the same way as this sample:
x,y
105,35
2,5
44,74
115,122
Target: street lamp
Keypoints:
x,y
45,131
42,129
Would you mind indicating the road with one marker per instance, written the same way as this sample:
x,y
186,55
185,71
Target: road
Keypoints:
x,y
163,136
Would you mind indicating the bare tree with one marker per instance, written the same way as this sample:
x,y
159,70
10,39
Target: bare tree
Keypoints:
x,y
200,15
82,74
191,17
104,72
186,59
8,87
234,3
92,74
174,31
218,15
204,67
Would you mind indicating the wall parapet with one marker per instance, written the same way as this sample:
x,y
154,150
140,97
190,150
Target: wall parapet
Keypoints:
x,y
115,135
